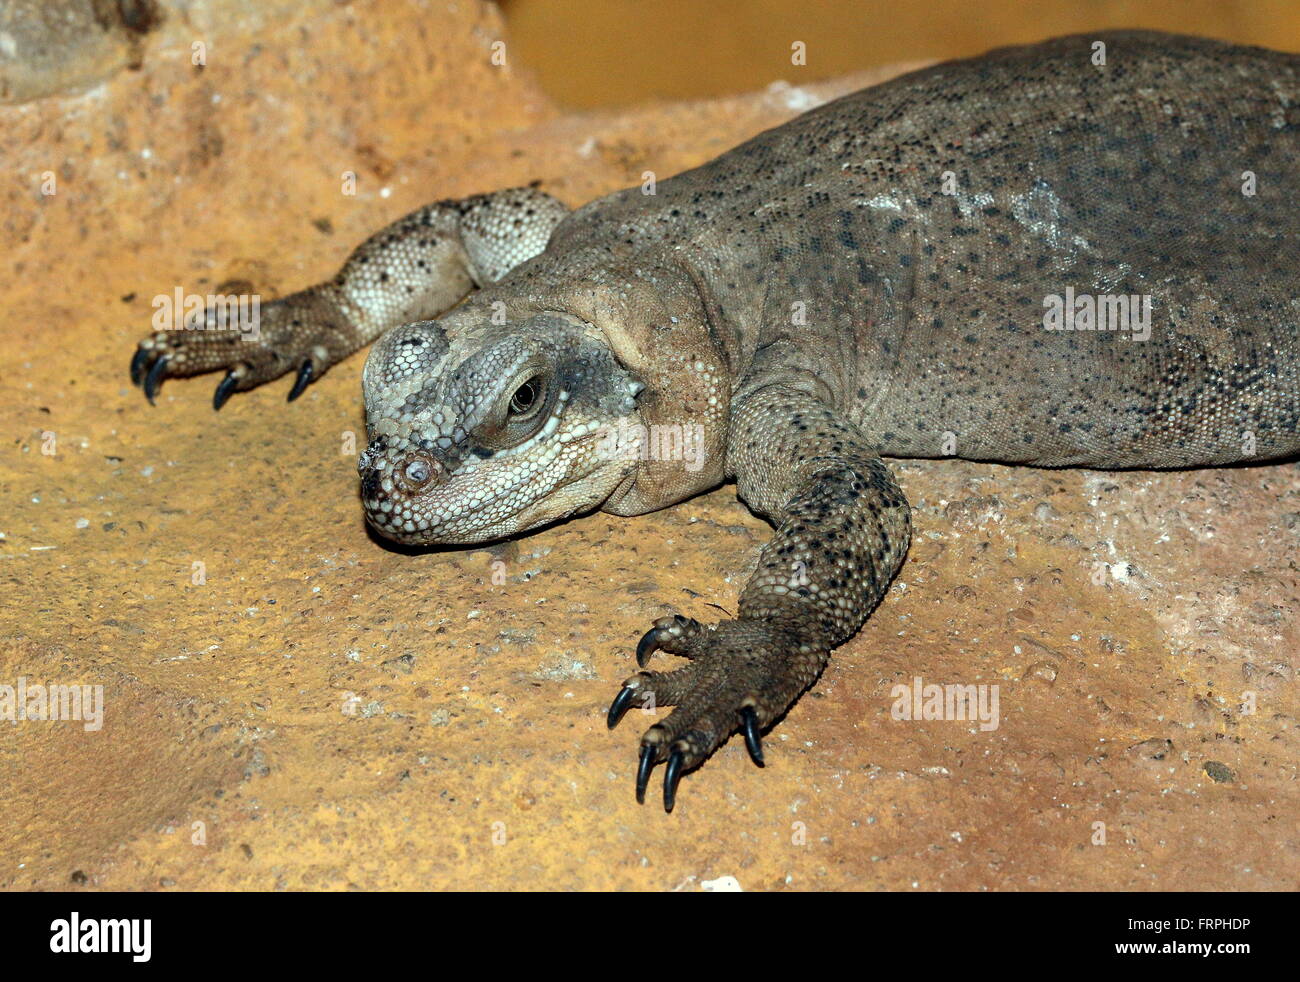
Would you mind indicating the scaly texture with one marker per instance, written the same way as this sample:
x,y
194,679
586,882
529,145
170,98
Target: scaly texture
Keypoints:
x,y
869,279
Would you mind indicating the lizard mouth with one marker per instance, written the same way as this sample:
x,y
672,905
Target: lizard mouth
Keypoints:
x,y
415,502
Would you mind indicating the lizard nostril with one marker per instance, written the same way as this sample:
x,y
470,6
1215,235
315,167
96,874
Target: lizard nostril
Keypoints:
x,y
418,472
370,485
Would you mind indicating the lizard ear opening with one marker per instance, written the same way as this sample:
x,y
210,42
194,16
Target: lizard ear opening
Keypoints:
x,y
634,388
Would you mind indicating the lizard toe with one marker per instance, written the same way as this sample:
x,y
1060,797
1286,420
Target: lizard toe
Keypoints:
x,y
674,634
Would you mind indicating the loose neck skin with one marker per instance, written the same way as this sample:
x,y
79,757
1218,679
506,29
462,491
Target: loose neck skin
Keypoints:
x,y
653,318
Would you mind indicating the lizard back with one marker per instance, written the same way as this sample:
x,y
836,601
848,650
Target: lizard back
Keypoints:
x,y
897,249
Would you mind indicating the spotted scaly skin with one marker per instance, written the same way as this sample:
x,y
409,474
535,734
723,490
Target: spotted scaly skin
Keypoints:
x,y
418,267
867,280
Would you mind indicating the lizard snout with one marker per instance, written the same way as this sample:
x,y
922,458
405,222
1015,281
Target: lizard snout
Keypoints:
x,y
391,490
410,473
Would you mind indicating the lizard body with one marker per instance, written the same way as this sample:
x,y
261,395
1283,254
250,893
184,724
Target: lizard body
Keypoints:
x,y
870,279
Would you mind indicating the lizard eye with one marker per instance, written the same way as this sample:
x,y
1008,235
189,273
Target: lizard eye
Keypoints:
x,y
521,414
526,399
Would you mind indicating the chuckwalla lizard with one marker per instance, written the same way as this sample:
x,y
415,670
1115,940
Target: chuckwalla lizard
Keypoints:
x,y
870,279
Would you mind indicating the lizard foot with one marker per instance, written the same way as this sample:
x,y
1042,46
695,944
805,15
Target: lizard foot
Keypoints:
x,y
742,676
300,332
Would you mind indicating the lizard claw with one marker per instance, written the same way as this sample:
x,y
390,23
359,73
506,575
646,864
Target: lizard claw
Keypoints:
x,y
648,753
224,388
153,381
647,646
742,675
306,372
138,362
619,706
672,774
753,742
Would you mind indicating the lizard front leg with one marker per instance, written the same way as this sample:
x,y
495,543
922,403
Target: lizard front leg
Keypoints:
x,y
414,269
843,528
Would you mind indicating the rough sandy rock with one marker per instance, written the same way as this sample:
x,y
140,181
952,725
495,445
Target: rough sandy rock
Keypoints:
x,y
337,714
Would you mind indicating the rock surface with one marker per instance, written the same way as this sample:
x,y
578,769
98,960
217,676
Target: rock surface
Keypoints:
x,y
291,704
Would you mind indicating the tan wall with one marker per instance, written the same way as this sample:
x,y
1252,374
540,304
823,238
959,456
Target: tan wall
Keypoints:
x,y
612,52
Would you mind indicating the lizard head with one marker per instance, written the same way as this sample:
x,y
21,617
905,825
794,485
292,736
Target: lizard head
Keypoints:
x,y
481,431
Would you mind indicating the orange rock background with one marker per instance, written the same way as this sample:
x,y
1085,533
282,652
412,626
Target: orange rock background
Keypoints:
x,y
307,709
